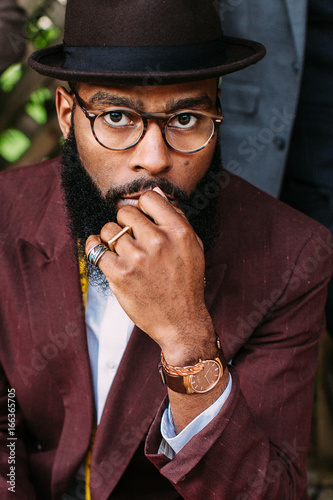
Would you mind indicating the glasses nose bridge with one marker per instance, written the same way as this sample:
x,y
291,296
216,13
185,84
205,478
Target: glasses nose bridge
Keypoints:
x,y
159,118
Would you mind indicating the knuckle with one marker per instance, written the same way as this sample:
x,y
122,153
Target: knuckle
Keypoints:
x,y
91,242
124,211
132,268
120,274
109,230
157,242
185,233
137,258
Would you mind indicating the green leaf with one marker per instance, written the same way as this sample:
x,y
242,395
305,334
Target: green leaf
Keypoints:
x,y
37,112
13,144
40,95
40,36
36,105
10,77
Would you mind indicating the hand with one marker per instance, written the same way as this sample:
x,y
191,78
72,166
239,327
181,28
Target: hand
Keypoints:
x,y
158,277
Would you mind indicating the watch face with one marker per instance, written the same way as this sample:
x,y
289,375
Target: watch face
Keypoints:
x,y
207,378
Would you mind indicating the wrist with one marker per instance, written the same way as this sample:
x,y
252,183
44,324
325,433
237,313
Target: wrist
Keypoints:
x,y
197,343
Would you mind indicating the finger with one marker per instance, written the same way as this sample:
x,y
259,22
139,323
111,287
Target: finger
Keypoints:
x,y
178,210
143,226
114,235
92,242
160,210
167,218
159,191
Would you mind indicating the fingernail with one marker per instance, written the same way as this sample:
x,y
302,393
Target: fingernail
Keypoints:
x,y
159,191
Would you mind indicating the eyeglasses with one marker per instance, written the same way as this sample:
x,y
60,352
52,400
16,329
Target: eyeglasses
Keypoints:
x,y
117,128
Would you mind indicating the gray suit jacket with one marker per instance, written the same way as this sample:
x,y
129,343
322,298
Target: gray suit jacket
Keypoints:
x,y
259,103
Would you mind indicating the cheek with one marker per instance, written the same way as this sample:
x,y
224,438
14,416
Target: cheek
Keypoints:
x,y
195,170
99,163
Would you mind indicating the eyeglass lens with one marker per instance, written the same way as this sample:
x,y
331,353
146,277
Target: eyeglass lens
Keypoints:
x,y
122,128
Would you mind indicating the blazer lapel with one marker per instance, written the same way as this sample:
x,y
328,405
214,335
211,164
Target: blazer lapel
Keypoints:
x,y
297,13
56,316
135,396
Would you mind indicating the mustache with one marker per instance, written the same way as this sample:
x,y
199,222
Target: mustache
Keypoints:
x,y
143,184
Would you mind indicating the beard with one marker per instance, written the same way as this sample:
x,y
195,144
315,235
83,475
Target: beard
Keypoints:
x,y
88,210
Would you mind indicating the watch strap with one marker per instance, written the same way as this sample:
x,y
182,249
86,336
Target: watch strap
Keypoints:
x,y
176,382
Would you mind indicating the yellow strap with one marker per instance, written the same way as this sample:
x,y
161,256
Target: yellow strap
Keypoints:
x,y
88,465
84,280
84,289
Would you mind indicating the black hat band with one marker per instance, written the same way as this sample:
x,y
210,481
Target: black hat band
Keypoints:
x,y
156,58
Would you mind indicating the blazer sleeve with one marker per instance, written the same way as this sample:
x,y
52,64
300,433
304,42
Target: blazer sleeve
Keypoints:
x,y
256,447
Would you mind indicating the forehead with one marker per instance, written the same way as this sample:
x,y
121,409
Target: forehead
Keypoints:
x,y
156,96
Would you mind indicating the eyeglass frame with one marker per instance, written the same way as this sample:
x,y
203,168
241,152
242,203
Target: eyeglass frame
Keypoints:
x,y
164,117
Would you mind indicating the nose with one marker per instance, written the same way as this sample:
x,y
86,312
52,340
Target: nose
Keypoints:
x,y
151,154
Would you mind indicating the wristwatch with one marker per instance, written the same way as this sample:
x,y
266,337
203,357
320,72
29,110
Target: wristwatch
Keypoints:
x,y
196,379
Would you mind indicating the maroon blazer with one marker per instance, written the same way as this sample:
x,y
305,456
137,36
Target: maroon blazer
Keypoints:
x,y
266,289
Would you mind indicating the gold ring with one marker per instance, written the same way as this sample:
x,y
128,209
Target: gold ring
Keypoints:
x,y
126,229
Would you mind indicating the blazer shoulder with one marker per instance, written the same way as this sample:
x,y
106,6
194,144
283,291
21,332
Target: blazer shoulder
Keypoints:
x,y
30,177
25,193
256,228
258,209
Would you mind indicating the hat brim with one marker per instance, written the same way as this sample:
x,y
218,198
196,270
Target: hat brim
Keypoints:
x,y
240,54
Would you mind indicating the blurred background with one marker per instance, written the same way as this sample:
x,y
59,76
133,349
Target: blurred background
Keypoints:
x,y
29,132
29,129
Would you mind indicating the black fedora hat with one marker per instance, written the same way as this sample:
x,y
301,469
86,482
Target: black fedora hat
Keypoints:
x,y
142,42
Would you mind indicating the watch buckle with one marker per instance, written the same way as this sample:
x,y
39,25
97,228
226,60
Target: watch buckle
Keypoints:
x,y
160,369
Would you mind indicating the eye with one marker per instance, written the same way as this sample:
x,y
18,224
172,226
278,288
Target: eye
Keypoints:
x,y
118,118
184,121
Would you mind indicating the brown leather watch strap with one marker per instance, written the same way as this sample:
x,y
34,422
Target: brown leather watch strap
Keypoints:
x,y
174,382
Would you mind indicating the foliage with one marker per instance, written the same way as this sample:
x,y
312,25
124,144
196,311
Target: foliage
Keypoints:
x,y
11,77
41,32
36,106
13,144
28,109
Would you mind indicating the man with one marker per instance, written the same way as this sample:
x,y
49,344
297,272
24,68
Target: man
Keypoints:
x,y
153,217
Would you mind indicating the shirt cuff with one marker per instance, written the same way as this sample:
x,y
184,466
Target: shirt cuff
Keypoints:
x,y
177,441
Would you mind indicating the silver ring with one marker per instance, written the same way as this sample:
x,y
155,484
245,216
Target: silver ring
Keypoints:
x,y
96,253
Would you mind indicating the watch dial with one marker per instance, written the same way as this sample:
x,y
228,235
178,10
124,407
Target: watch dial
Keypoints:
x,y
207,378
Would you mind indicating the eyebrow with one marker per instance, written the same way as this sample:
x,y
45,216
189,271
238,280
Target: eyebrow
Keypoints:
x,y
107,99
202,101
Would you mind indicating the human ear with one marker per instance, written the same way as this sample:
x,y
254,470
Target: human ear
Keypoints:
x,y
64,106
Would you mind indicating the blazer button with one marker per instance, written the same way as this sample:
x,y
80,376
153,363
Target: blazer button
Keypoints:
x,y
279,143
